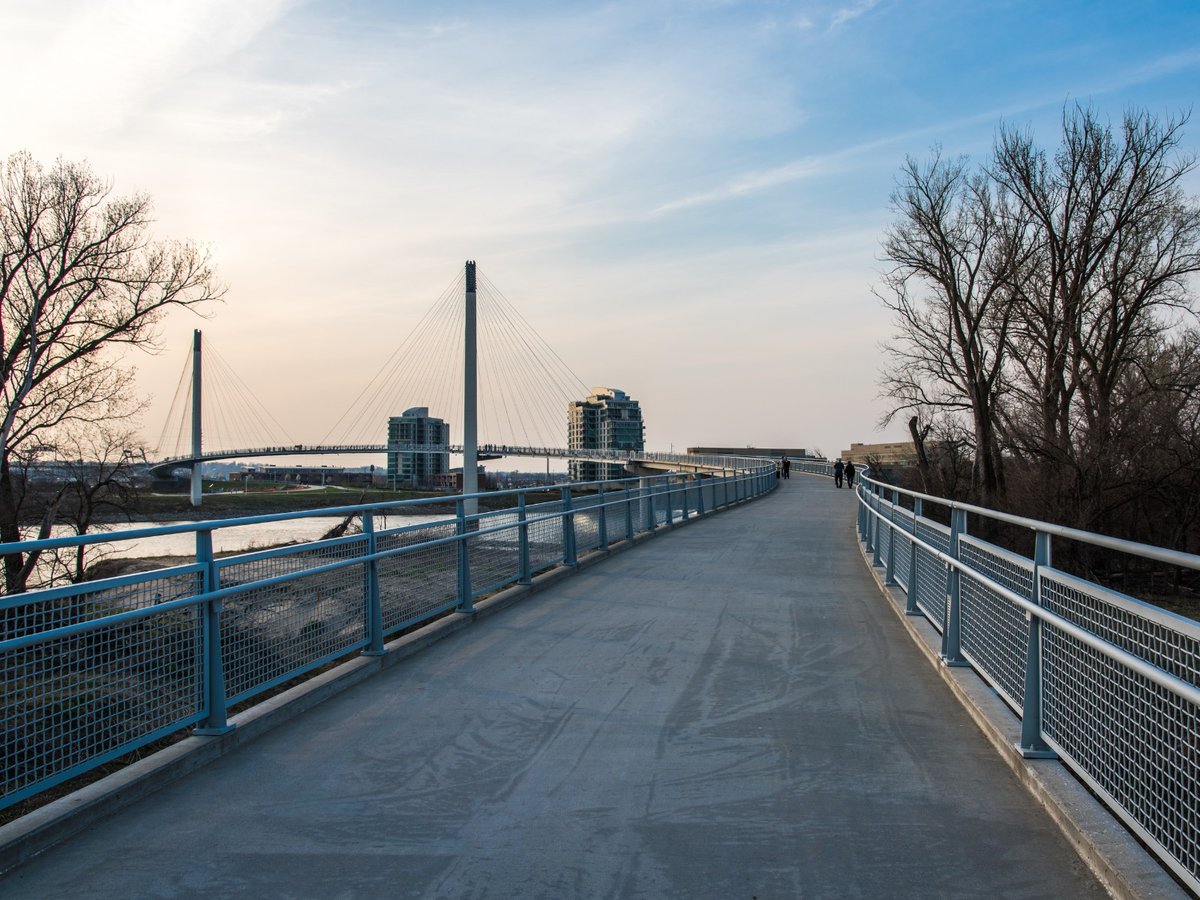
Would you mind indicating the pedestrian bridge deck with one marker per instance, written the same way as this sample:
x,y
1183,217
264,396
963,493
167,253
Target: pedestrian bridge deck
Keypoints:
x,y
729,710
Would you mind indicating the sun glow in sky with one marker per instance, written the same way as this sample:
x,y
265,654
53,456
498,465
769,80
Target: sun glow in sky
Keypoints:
x,y
685,198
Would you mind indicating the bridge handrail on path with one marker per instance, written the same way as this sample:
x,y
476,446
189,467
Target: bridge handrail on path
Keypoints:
x,y
1106,682
95,670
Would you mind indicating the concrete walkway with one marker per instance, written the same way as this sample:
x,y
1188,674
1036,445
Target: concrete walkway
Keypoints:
x,y
731,710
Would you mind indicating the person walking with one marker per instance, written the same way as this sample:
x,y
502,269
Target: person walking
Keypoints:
x,y
849,473
838,468
787,467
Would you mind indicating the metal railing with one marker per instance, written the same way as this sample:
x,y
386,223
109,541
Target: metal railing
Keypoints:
x,y
1106,682
92,671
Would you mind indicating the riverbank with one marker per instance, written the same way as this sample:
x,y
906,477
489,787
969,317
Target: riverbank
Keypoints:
x,y
222,505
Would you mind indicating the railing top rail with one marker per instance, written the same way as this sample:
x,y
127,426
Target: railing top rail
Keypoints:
x,y
104,537
1134,548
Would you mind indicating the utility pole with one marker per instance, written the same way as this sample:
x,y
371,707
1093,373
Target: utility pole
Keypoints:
x,y
470,400
197,481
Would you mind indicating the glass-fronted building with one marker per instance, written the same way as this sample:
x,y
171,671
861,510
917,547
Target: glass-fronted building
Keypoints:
x,y
417,428
609,419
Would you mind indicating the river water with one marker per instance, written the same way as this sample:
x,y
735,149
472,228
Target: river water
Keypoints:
x,y
233,539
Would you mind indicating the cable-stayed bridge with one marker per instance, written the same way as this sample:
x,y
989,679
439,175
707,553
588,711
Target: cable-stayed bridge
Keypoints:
x,y
473,360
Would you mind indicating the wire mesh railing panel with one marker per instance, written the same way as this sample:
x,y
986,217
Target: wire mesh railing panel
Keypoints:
x,y
1133,740
614,516
72,702
494,555
420,580
904,527
932,598
886,540
40,611
994,632
273,633
586,516
259,566
545,534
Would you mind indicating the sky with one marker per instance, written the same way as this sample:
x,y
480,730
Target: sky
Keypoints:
x,y
685,199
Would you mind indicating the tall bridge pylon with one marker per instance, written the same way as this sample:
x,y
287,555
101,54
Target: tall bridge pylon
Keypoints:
x,y
514,391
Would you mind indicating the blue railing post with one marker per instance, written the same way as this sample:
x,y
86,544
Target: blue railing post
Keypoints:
x,y
669,501
466,594
525,574
1032,746
602,522
910,600
374,602
889,577
568,529
683,491
648,491
628,513
862,514
214,660
699,495
951,634
724,489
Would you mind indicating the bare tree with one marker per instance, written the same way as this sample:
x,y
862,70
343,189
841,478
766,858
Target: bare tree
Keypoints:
x,y
80,278
955,249
97,468
1043,307
1117,241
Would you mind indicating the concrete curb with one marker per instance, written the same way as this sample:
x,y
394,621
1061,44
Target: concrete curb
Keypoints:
x,y
55,822
1124,867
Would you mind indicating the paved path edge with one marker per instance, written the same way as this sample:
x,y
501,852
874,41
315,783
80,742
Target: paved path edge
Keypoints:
x,y
1125,868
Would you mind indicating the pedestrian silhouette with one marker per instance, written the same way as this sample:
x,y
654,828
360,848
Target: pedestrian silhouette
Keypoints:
x,y
849,473
838,468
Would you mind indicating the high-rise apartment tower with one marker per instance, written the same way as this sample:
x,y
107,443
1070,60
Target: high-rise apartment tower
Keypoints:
x,y
609,419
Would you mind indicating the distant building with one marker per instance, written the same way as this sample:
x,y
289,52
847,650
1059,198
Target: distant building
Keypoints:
x,y
417,427
607,420
769,452
453,480
892,453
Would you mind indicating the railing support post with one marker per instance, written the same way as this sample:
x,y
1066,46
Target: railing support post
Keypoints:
x,y
910,600
952,633
374,601
699,494
568,529
1032,746
889,577
466,594
628,513
648,491
668,502
683,491
214,660
602,522
525,575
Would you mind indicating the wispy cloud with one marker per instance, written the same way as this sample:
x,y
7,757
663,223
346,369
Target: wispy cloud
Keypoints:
x,y
849,13
750,183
